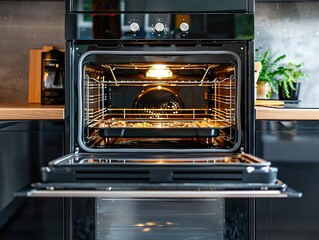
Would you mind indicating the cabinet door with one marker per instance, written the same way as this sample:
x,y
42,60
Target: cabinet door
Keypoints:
x,y
293,148
26,146
285,0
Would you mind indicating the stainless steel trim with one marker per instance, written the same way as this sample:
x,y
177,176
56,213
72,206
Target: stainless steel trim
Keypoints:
x,y
79,157
159,194
155,53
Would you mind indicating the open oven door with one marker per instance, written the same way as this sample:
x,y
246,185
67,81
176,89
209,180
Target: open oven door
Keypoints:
x,y
159,196
160,176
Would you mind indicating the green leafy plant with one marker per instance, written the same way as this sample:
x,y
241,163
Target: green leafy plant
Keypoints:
x,y
290,73
277,73
270,70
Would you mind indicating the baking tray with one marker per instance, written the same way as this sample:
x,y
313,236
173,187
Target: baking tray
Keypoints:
x,y
157,129
158,132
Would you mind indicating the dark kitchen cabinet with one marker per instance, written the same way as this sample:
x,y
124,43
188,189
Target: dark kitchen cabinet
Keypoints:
x,y
293,147
37,0
26,146
286,0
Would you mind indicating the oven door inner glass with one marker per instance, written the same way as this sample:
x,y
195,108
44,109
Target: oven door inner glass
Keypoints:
x,y
160,219
188,101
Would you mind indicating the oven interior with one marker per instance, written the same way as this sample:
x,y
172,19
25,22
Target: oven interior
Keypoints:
x,y
160,116
158,102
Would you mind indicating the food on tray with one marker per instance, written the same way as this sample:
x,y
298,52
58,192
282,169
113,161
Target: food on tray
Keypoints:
x,y
91,161
177,124
96,160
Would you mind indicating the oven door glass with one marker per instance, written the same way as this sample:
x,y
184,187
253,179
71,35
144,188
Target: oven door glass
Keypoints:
x,y
160,219
166,219
115,219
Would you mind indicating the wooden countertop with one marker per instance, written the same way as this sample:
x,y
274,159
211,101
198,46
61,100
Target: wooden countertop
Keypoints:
x,y
273,113
14,111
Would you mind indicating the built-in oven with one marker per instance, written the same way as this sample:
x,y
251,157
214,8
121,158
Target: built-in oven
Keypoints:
x,y
159,122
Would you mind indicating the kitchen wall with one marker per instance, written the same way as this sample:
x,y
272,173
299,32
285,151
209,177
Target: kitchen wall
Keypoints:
x,y
285,28
25,25
292,29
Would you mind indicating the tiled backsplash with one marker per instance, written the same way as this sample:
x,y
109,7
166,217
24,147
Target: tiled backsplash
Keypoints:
x,y
292,29
285,28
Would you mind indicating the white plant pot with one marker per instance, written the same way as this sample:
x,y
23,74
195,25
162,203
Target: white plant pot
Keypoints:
x,y
263,89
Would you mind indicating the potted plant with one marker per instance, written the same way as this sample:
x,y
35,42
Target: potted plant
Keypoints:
x,y
267,82
289,84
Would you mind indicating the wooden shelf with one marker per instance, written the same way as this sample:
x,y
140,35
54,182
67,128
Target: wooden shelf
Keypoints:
x,y
11,111
270,113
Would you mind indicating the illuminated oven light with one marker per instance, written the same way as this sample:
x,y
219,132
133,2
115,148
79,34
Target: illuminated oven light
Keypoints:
x,y
159,71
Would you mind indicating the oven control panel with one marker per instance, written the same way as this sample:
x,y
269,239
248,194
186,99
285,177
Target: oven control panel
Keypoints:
x,y
145,25
239,26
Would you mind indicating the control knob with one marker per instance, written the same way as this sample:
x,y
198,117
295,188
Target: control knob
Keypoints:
x,y
159,27
134,27
184,27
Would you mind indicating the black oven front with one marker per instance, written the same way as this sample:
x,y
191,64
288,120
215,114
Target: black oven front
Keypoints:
x,y
159,122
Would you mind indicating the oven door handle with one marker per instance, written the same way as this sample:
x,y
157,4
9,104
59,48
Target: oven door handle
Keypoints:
x,y
144,194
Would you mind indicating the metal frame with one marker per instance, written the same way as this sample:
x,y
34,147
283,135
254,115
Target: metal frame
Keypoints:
x,y
155,53
245,108
136,194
